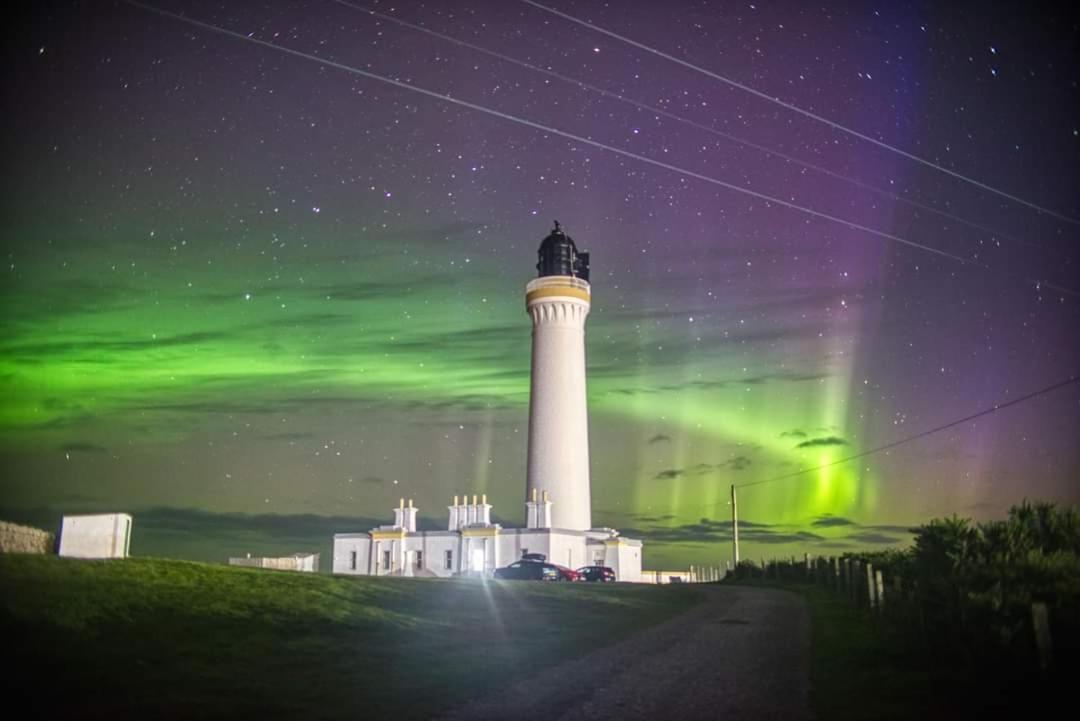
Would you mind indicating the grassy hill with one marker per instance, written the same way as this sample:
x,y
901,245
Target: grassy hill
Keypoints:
x,y
163,639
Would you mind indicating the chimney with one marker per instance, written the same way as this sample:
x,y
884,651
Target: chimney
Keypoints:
x,y
532,515
543,512
483,511
454,523
409,517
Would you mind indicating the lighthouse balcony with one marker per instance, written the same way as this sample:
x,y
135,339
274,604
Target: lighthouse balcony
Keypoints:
x,y
562,286
558,281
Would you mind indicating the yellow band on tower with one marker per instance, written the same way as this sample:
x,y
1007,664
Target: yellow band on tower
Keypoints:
x,y
563,291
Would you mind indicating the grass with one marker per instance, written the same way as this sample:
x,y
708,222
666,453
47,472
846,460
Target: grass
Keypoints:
x,y
161,639
862,669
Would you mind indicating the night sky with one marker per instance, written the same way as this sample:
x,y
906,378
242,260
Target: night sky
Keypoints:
x,y
240,281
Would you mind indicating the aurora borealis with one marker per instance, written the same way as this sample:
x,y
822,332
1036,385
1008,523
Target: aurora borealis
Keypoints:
x,y
239,281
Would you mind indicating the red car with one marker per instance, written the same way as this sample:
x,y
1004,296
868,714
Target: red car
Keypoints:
x,y
567,574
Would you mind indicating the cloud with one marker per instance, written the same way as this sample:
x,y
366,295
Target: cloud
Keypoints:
x,y
468,402
83,447
738,463
819,442
659,438
908,530
668,475
714,384
874,538
773,537
794,433
831,522
197,520
653,519
710,531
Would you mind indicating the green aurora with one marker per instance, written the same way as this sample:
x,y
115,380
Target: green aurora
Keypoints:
x,y
288,384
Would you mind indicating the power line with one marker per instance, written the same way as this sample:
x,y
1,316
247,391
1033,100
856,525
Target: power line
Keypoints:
x,y
796,109
917,436
582,140
680,119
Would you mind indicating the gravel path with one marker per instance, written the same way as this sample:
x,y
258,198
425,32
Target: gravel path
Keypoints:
x,y
742,654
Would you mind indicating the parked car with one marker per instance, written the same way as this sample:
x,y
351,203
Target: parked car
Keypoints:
x,y
567,574
597,574
535,571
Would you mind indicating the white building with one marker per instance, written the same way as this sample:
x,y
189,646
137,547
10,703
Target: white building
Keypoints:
x,y
305,562
559,510
106,535
473,545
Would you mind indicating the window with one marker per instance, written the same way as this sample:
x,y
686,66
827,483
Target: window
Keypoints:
x,y
352,561
419,559
386,560
449,560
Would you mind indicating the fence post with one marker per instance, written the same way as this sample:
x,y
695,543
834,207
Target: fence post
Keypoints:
x,y
1040,619
853,580
870,597
879,590
836,573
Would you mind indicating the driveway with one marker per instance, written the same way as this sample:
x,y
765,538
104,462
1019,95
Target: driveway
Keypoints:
x,y
744,653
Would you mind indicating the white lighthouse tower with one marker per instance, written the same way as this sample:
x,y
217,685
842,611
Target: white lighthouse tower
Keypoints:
x,y
558,507
558,463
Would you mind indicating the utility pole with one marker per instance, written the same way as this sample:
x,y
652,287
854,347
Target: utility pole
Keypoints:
x,y
735,526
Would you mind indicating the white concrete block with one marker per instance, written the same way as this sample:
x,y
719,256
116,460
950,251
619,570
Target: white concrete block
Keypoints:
x,y
106,535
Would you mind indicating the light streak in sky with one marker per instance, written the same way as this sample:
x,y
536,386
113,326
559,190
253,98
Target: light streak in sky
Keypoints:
x,y
796,109
680,119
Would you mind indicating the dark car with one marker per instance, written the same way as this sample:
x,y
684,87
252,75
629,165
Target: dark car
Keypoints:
x,y
535,571
597,574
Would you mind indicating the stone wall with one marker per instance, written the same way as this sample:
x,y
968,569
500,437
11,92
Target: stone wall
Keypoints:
x,y
298,562
24,539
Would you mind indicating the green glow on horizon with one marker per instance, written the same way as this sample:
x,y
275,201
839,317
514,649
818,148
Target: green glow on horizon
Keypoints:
x,y
162,360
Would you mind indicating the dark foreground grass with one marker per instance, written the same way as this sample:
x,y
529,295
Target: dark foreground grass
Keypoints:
x,y
146,638
864,670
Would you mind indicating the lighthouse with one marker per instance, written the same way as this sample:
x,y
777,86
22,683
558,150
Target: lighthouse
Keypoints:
x,y
558,507
558,302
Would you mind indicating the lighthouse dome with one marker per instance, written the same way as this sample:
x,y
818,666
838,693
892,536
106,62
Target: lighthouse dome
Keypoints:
x,y
558,255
